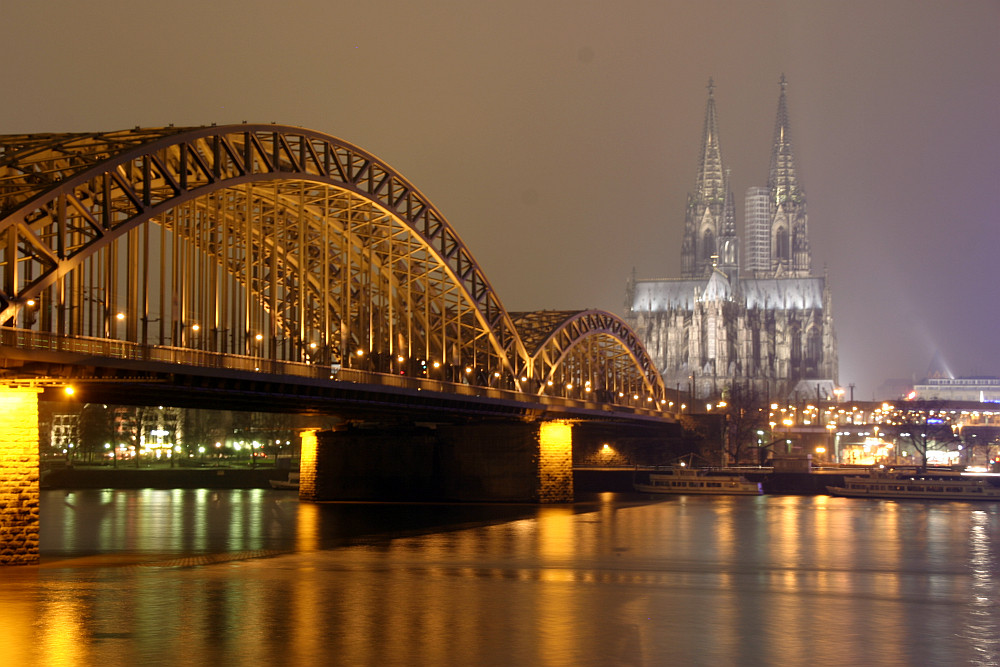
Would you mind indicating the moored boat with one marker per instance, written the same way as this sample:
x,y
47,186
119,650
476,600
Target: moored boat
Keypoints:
x,y
291,483
954,486
693,481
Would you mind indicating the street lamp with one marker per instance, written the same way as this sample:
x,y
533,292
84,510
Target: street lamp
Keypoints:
x,y
830,427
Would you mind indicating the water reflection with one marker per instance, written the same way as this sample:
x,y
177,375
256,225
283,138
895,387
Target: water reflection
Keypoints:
x,y
196,577
982,607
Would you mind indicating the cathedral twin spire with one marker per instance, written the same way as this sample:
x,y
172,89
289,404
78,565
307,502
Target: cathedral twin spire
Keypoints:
x,y
782,180
778,235
711,176
710,240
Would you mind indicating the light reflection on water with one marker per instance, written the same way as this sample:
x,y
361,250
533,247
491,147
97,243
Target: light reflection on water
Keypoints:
x,y
191,577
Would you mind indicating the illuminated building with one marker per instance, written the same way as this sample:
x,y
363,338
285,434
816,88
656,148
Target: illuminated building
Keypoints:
x,y
978,389
768,327
64,431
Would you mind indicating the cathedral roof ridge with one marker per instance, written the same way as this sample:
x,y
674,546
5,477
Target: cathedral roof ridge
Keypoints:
x,y
789,292
692,281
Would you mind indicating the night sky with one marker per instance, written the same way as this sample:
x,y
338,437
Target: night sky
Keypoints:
x,y
560,139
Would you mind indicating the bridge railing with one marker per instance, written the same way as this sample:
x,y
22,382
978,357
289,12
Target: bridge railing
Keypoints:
x,y
128,351
27,340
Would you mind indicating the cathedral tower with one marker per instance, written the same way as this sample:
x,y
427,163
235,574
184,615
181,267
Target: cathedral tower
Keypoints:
x,y
769,331
789,228
710,239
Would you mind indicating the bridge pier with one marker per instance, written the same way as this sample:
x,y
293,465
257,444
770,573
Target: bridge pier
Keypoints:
x,y
19,475
498,461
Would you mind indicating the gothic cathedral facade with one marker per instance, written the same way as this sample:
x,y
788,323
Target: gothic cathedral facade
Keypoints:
x,y
765,326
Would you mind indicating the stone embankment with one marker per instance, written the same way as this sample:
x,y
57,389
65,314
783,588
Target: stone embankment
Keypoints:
x,y
160,478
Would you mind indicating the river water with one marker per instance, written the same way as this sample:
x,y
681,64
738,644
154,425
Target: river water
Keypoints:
x,y
204,577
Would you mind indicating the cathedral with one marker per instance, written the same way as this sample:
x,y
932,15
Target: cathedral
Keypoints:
x,y
765,326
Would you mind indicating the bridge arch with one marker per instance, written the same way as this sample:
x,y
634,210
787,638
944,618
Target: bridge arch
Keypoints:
x,y
278,243
588,353
251,239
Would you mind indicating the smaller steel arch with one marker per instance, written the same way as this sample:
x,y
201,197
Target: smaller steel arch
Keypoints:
x,y
551,336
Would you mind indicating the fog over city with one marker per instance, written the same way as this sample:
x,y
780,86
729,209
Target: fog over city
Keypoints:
x,y
560,139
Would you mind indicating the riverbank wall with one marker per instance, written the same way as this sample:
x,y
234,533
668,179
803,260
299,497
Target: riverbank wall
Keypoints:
x,y
585,480
160,478
595,480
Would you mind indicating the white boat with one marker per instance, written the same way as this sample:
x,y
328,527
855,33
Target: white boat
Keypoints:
x,y
693,481
954,486
291,483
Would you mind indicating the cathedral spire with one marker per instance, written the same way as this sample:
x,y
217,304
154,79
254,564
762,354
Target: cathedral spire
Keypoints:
x,y
710,183
782,179
708,232
789,228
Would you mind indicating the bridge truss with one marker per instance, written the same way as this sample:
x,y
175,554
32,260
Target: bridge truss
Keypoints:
x,y
276,243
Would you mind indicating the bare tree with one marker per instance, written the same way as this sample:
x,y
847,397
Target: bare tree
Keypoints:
x,y
96,427
981,441
920,424
203,428
744,414
701,435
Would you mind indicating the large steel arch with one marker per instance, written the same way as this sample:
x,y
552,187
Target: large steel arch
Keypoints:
x,y
589,352
272,240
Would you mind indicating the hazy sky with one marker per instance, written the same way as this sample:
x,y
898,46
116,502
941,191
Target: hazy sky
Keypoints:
x,y
560,139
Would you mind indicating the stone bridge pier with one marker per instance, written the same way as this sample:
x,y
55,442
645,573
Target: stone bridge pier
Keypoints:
x,y
498,461
19,475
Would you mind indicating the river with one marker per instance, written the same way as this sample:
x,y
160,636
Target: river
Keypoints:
x,y
240,577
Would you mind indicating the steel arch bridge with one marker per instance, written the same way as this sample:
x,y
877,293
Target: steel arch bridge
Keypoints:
x,y
283,244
